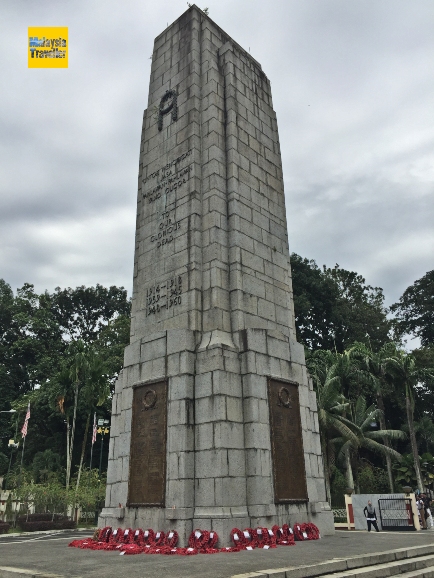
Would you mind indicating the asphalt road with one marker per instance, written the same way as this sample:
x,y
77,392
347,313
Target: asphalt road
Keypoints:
x,y
50,553
31,537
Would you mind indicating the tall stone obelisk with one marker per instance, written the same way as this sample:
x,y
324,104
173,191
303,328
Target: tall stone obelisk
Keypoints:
x,y
214,420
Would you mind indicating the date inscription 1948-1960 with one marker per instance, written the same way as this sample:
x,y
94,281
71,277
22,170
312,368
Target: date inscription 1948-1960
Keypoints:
x,y
163,296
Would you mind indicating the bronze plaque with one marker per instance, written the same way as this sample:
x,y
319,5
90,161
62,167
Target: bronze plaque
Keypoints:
x,y
286,442
147,481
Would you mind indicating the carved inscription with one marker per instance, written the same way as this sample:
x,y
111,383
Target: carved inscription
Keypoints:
x,y
147,479
163,296
286,442
170,177
167,229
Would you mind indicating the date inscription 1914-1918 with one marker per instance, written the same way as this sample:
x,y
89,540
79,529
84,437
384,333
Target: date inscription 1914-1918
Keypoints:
x,y
164,296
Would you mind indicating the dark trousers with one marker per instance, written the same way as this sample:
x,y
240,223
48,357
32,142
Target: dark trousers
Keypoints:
x,y
423,518
374,523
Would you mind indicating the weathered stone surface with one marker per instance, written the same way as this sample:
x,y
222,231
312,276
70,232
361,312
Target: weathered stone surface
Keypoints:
x,y
212,311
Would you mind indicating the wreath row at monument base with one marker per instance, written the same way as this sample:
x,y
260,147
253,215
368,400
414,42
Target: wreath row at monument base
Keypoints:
x,y
200,541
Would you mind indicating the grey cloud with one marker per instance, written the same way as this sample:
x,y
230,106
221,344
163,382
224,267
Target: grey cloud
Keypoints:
x,y
352,89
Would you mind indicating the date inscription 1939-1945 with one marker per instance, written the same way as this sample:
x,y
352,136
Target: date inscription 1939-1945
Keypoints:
x,y
163,296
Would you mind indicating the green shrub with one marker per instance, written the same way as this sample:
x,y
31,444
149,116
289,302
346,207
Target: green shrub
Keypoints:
x,y
4,463
373,480
338,487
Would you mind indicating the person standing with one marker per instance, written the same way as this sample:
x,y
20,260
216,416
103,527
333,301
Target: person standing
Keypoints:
x,y
427,508
371,516
421,508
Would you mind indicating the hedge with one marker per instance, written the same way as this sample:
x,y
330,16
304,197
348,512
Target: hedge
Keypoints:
x,y
4,528
44,517
36,526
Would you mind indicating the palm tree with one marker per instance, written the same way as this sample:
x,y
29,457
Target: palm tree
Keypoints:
x,y
376,366
66,386
62,391
78,369
403,367
331,405
352,377
361,419
95,391
425,428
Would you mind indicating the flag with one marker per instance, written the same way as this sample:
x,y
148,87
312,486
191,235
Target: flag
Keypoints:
x,y
94,429
24,428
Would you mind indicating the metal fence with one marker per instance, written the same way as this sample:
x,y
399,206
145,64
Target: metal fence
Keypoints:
x,y
339,514
396,514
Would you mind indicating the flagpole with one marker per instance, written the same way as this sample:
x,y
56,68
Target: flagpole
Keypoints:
x,y
93,439
91,452
24,434
22,458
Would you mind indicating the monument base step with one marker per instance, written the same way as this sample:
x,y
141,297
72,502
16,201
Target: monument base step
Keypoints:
x,y
424,573
421,565
411,562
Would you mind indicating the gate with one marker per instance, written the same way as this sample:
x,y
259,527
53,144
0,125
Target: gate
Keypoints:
x,y
396,514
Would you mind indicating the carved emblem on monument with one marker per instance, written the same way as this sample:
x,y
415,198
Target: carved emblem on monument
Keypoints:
x,y
172,96
285,398
149,399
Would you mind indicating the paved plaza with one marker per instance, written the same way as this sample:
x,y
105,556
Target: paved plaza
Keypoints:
x,y
50,554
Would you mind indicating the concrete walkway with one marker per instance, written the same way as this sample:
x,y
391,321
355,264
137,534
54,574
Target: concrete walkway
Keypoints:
x,y
50,555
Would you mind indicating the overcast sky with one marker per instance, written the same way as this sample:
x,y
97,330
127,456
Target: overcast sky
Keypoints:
x,y
353,89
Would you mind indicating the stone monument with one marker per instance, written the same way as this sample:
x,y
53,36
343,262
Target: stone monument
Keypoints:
x,y
214,419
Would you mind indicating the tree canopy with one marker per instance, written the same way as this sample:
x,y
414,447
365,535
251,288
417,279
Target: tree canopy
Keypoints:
x,y
40,335
415,310
335,307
